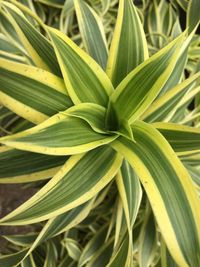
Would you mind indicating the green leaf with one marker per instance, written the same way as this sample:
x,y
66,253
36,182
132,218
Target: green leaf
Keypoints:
x,y
167,17
130,192
178,71
72,247
166,259
183,139
23,240
63,223
66,16
194,172
21,166
154,24
37,46
147,240
51,255
9,31
176,29
129,46
177,74
169,189
183,4
193,14
28,262
92,32
13,57
68,135
30,92
66,261
8,46
81,178
102,255
138,90
105,6
180,114
164,105
118,220
52,3
12,259
95,243
84,78
192,159
122,257
53,227
93,114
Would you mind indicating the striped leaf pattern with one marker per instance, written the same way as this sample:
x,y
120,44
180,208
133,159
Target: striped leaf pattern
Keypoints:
x,y
53,227
147,240
129,46
31,92
183,139
169,188
92,32
130,192
107,137
165,104
128,104
39,48
68,135
71,186
84,78
18,166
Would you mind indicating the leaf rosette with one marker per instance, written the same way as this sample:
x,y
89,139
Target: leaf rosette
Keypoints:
x,y
95,125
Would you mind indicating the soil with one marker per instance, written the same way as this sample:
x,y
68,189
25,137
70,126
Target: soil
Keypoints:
x,y
11,196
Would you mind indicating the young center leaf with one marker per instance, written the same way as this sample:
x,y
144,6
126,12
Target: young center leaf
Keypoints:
x,y
140,87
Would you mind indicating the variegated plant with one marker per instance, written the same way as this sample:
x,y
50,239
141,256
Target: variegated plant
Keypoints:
x,y
102,117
